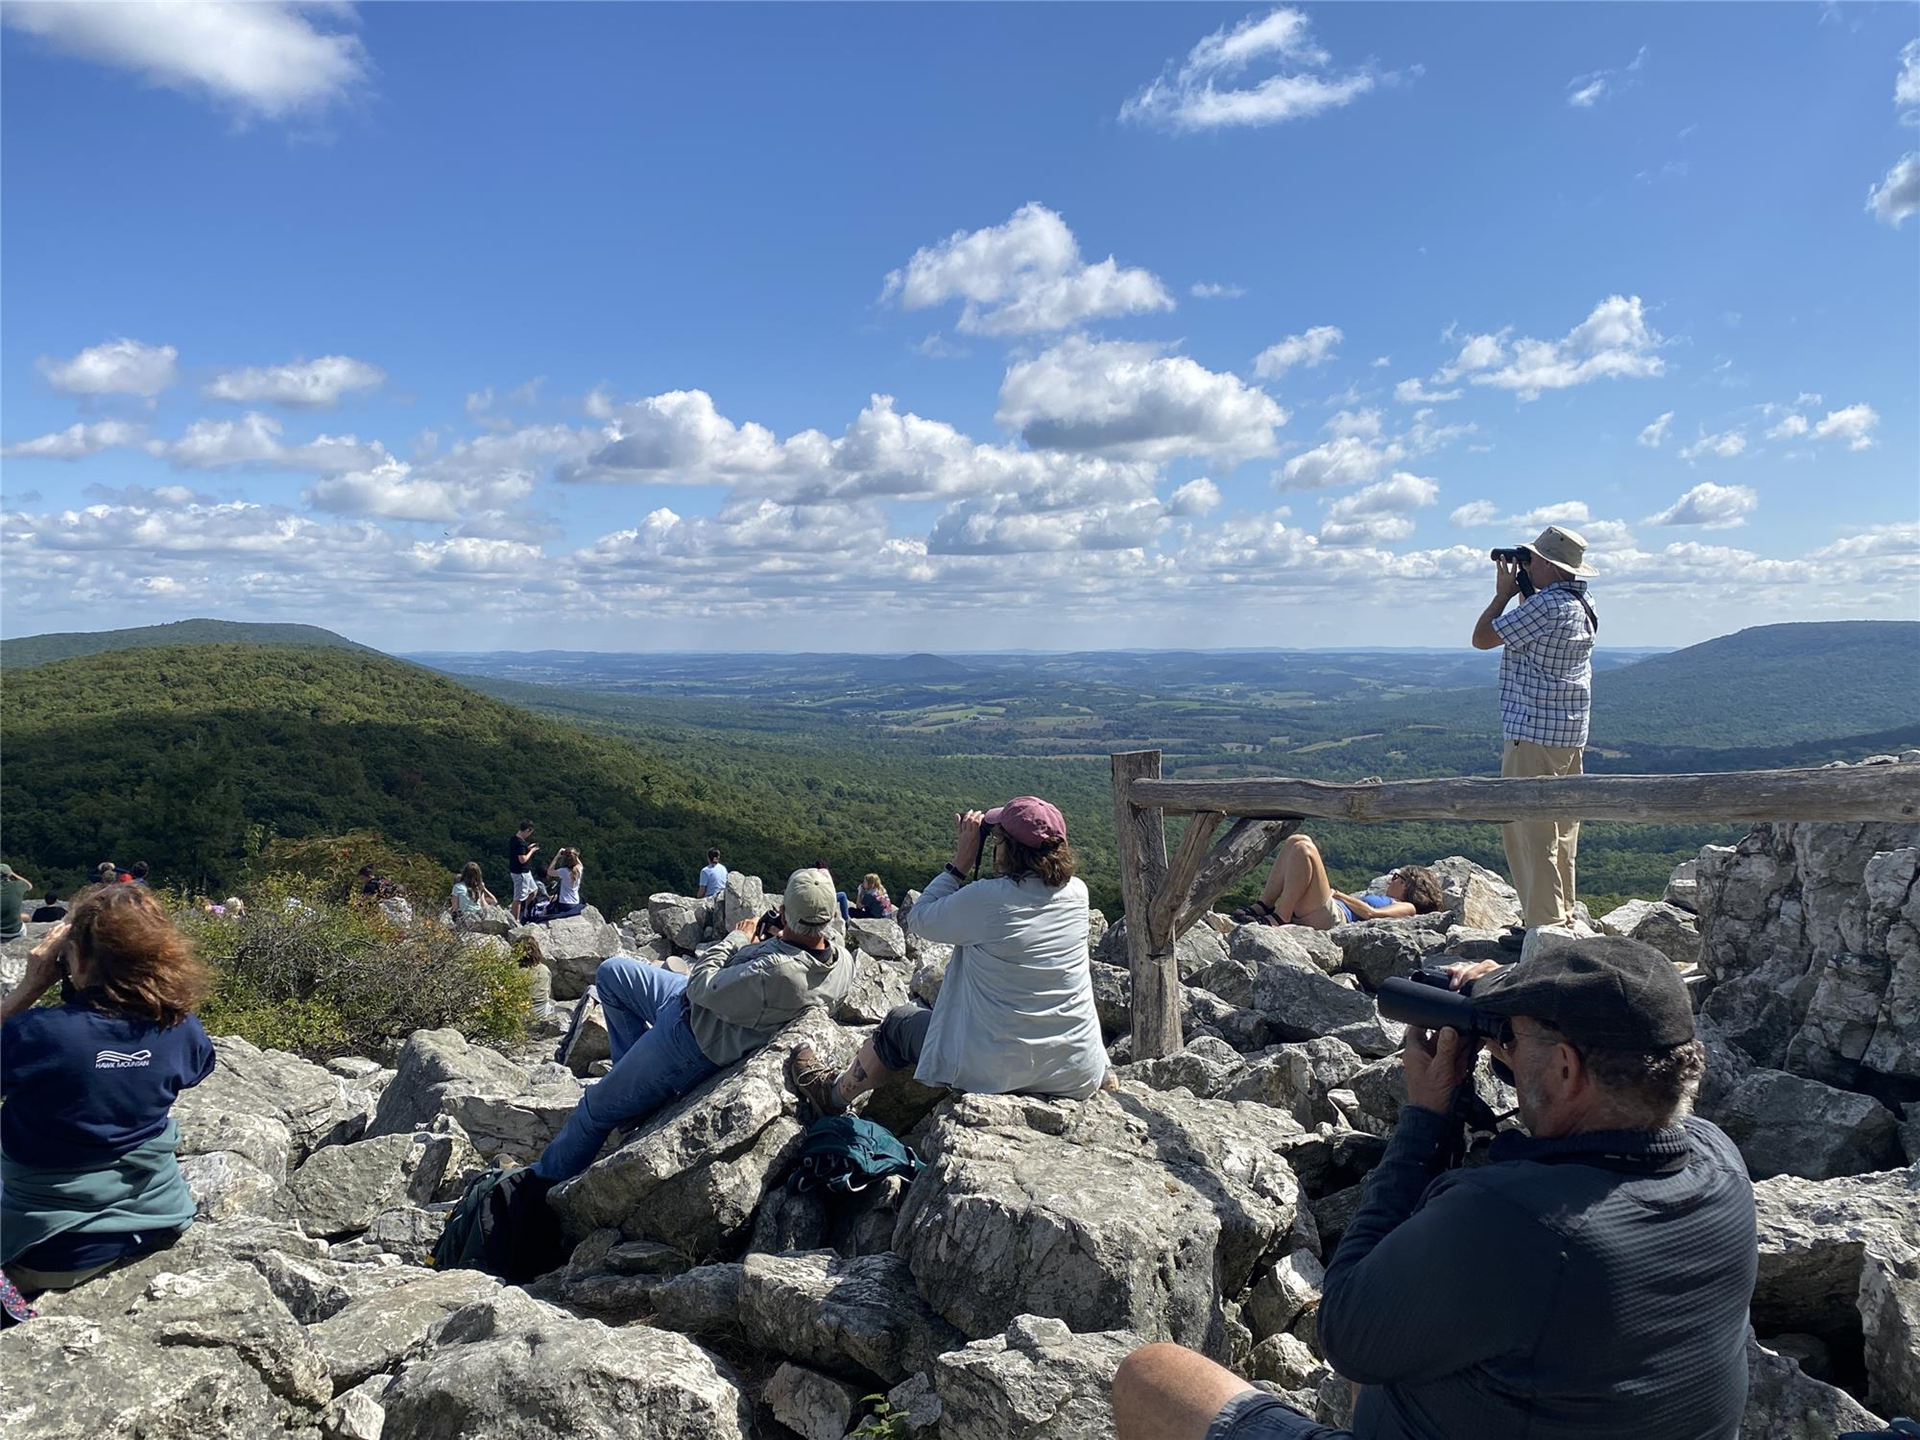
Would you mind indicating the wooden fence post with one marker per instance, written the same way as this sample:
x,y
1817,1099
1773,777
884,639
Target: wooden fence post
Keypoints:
x,y
1141,842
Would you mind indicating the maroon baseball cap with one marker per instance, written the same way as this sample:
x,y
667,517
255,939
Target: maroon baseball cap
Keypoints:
x,y
1030,820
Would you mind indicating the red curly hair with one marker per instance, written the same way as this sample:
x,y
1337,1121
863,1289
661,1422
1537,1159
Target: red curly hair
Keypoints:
x,y
137,964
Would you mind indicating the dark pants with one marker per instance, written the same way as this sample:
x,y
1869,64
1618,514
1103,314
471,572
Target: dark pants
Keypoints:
x,y
552,910
902,1036
1257,1415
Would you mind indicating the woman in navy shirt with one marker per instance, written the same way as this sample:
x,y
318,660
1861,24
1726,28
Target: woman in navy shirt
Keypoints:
x,y
88,1176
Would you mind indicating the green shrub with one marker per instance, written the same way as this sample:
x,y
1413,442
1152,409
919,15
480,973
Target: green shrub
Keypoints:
x,y
331,864
321,978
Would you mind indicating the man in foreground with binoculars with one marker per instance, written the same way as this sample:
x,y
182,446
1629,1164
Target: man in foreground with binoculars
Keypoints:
x,y
1590,1280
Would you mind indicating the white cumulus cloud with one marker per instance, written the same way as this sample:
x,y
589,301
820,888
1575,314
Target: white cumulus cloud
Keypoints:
x,y
1311,348
1475,514
118,367
1655,434
267,59
1853,425
1897,195
1722,445
1415,392
1613,342
1212,89
392,491
1022,278
76,442
301,385
254,440
1133,401
1208,290
1343,460
1906,85
1716,507
1196,497
1379,512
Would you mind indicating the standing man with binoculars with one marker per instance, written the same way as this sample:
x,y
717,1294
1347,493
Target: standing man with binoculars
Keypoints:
x,y
1546,698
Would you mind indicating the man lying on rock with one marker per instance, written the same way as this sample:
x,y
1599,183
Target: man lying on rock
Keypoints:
x,y
669,1032
1016,1012
1591,1280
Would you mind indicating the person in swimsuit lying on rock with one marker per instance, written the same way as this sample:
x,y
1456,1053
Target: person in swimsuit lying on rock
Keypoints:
x,y
1298,892
1016,1013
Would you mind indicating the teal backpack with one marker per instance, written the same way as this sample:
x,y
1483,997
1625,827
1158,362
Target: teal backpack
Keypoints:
x,y
504,1227
844,1154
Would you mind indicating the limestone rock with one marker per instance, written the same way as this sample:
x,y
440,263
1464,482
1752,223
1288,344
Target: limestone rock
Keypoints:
x,y
1297,1077
1683,885
1302,1003
1674,932
1285,1360
1204,1068
262,1139
75,1377
572,948
1139,1206
521,1123
229,1308
678,918
340,1189
487,920
1813,1238
878,985
1038,1381
226,1183
744,898
1476,896
1890,1320
436,1067
812,1405
882,939
859,1317
1373,950
654,1185
1282,1291
1201,1011
1197,950
313,1105
1787,1125
587,1041
1784,1404
371,1333
1251,947
518,1370
929,969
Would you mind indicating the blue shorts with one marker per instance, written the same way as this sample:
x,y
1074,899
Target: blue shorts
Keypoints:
x,y
1256,1415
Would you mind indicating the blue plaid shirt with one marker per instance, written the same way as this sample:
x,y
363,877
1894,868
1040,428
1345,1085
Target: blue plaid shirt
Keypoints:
x,y
1546,669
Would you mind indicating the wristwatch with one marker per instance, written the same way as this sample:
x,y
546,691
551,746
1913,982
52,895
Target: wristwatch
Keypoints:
x,y
955,871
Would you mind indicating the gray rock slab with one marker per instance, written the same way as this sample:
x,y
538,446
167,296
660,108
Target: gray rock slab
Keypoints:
x,y
1038,1381
860,1317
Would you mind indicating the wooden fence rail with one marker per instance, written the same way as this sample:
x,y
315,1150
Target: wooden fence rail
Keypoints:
x,y
1164,898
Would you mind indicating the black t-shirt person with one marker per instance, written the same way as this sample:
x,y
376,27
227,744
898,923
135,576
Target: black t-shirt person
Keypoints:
x,y
519,848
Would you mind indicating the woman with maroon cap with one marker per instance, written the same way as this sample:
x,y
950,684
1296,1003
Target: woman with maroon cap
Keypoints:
x,y
1016,1013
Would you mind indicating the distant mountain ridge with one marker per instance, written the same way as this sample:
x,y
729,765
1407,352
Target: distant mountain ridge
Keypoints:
x,y
30,650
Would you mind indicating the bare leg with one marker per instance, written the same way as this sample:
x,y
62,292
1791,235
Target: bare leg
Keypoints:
x,y
864,1074
1305,888
1167,1392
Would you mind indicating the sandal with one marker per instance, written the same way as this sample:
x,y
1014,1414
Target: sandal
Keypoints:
x,y
1258,913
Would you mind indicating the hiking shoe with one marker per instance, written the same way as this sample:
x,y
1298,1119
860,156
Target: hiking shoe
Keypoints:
x,y
1515,939
813,1080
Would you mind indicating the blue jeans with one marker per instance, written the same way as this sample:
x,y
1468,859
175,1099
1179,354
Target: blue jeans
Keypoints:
x,y
655,1059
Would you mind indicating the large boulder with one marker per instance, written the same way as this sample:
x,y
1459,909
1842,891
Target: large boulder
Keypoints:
x,y
370,1334
693,1173
1302,1003
1204,1068
1250,948
1475,896
514,1369
1038,1381
1671,930
1782,916
340,1189
1140,1206
861,1318
1297,1077
812,1405
1196,950
1783,1403
501,1106
745,898
1890,1323
1814,1236
572,948
226,1183
878,985
316,1107
487,920
678,918
522,1123
882,939
1374,950
1788,1125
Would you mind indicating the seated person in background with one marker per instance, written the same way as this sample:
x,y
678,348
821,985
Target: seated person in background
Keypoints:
x,y
138,874
669,1032
1589,1282
566,872
872,903
1298,892
470,892
13,895
104,873
87,1170
713,879
49,909
1016,1012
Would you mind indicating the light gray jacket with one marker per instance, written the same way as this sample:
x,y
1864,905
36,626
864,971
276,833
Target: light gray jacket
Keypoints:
x,y
741,993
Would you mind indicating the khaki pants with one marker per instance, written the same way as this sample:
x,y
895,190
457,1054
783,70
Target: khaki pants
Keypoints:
x,y
1540,853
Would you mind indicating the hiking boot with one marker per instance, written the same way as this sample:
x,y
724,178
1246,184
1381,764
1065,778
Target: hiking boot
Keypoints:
x,y
1515,938
813,1080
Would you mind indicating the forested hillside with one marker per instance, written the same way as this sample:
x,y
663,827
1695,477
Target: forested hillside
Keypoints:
x,y
192,757
45,649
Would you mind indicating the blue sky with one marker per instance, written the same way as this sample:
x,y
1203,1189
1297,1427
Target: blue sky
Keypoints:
x,y
804,327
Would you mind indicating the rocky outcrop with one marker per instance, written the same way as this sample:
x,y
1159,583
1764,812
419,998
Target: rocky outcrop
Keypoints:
x,y
1814,1237
1038,1381
1141,1206
316,1107
860,1318
1783,1403
572,948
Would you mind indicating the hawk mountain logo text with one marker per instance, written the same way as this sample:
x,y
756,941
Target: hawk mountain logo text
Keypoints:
x,y
121,1059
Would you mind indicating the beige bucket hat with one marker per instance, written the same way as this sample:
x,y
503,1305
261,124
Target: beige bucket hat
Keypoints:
x,y
1565,549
